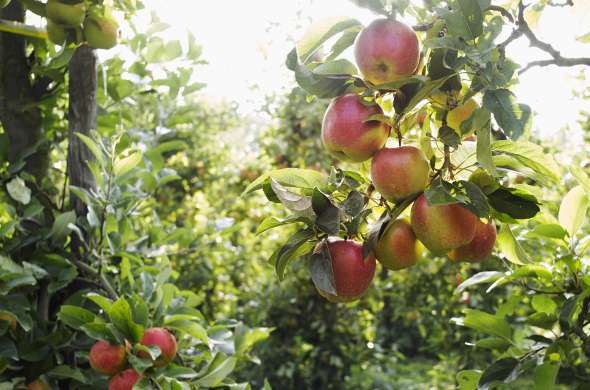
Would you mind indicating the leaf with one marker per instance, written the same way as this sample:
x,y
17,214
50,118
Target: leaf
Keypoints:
x,y
485,323
75,316
549,230
531,156
483,148
18,190
321,270
66,372
467,379
300,205
93,148
480,277
354,203
514,202
126,164
60,229
337,67
290,177
320,32
512,117
296,246
245,338
344,42
581,177
509,247
501,371
214,377
122,317
584,38
573,209
273,222
492,343
465,20
545,376
190,327
328,215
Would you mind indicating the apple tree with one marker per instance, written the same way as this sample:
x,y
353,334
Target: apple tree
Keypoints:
x,y
431,149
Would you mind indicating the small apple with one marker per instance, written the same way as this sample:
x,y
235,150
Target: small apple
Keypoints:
x,y
386,50
38,384
101,29
163,339
480,247
66,14
347,134
398,247
125,380
107,358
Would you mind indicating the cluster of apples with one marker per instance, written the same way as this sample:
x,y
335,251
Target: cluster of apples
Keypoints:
x,y
96,23
110,359
386,51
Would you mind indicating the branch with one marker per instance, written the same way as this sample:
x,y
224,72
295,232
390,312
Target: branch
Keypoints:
x,y
503,11
423,27
102,281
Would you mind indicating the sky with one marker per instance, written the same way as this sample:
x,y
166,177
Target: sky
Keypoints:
x,y
245,43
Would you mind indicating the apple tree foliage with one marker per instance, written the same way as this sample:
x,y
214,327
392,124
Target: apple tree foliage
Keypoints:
x,y
541,336
91,261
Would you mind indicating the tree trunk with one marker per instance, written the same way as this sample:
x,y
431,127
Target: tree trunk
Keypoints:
x,y
19,107
83,86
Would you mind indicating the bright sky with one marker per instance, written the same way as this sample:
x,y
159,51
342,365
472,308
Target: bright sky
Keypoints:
x,y
246,43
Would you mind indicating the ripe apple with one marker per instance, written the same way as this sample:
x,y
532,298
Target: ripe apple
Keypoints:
x,y
480,247
107,358
38,384
345,132
56,33
398,173
163,339
386,50
442,227
125,380
398,247
101,30
352,273
69,15
460,114
10,319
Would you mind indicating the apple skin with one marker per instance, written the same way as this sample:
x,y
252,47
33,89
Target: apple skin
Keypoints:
x,y
69,15
56,33
442,228
346,135
459,114
107,358
480,248
10,319
162,338
398,173
352,273
101,32
398,247
125,380
38,384
386,50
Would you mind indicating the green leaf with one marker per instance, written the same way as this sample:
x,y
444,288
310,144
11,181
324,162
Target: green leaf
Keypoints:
x,y
245,338
18,190
273,222
492,343
214,377
581,177
465,20
480,277
337,67
327,215
501,371
321,270
290,177
483,148
297,246
126,164
60,229
300,205
75,316
485,323
467,379
93,147
66,372
573,209
320,32
512,117
344,42
190,327
122,317
530,156
514,202
509,247
545,376
549,230
584,38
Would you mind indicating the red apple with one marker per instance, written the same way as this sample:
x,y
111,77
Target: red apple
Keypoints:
x,y
38,384
480,247
345,132
443,227
163,339
398,173
352,273
398,248
386,50
107,358
125,380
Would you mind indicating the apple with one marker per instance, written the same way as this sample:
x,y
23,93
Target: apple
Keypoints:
x,y
101,30
107,358
480,247
352,272
56,33
398,247
10,319
65,14
460,114
386,50
38,384
398,173
443,227
163,339
347,134
125,380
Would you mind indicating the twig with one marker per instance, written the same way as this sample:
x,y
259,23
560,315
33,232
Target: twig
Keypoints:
x,y
423,27
104,283
503,11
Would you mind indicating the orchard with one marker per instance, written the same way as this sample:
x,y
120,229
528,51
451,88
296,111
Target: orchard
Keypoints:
x,y
399,217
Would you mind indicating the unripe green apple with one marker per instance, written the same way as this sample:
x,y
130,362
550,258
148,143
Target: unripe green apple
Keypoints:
x,y
398,173
69,15
163,339
10,319
346,133
107,358
442,227
480,247
101,30
460,114
56,33
398,247
352,273
386,50
125,380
